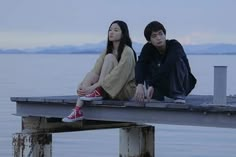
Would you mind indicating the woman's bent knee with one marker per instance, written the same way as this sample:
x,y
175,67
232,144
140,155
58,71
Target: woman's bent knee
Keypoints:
x,y
111,58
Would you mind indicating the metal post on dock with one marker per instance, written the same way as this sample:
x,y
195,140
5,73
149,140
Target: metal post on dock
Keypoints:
x,y
220,84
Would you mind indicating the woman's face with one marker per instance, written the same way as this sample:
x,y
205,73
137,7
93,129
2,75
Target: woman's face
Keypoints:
x,y
114,33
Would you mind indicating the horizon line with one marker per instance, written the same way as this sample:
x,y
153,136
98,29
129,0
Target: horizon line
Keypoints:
x,y
94,43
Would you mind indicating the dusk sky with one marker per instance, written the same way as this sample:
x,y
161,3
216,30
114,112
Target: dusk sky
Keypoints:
x,y
39,23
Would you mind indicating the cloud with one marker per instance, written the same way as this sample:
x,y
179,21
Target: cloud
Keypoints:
x,y
28,23
206,37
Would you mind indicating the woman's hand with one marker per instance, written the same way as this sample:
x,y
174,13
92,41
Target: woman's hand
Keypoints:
x,y
80,88
86,90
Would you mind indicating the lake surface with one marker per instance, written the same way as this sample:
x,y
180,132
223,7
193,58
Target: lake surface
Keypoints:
x,y
50,75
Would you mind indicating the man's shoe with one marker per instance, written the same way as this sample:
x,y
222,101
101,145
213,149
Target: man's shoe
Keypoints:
x,y
158,96
75,115
95,95
179,101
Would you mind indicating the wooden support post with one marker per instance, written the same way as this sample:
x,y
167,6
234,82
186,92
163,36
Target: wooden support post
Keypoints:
x,y
32,141
32,145
137,141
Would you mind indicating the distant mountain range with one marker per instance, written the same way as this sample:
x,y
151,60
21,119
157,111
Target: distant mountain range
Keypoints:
x,y
98,47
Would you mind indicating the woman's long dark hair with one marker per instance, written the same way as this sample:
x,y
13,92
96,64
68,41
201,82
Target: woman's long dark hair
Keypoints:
x,y
125,40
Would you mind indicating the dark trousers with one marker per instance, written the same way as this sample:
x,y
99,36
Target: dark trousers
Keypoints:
x,y
177,84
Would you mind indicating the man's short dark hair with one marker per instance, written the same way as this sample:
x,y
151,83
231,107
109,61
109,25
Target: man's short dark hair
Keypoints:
x,y
153,26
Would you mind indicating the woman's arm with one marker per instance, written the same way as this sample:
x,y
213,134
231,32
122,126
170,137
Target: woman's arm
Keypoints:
x,y
90,80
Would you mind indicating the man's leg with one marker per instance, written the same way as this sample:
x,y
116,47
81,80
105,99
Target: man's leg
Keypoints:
x,y
179,81
158,95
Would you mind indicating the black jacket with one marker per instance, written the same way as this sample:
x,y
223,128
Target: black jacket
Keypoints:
x,y
151,60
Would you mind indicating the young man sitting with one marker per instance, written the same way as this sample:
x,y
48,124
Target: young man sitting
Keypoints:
x,y
163,66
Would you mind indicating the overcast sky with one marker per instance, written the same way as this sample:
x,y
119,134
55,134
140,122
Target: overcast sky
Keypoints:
x,y
36,23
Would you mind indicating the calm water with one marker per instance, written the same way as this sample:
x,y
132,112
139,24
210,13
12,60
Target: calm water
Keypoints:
x,y
47,75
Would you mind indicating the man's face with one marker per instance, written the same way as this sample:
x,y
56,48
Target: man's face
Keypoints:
x,y
158,39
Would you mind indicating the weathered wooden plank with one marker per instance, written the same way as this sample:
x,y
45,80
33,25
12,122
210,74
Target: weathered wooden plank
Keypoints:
x,y
19,99
55,125
192,99
167,105
134,104
106,103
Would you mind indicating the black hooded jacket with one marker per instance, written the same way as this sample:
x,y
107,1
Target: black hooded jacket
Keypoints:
x,y
153,67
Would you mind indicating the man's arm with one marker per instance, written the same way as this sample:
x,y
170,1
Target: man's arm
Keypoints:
x,y
142,65
141,72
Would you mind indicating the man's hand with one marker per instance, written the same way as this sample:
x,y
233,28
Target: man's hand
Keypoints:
x,y
140,93
150,92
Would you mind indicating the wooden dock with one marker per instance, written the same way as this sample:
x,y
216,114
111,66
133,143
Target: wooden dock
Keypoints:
x,y
199,110
41,116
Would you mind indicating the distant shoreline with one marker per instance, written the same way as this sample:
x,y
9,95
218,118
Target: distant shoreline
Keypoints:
x,y
97,48
94,53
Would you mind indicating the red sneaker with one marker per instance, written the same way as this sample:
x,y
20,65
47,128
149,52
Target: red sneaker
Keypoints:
x,y
95,95
75,115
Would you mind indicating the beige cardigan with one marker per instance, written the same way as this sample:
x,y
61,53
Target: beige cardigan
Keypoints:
x,y
120,82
